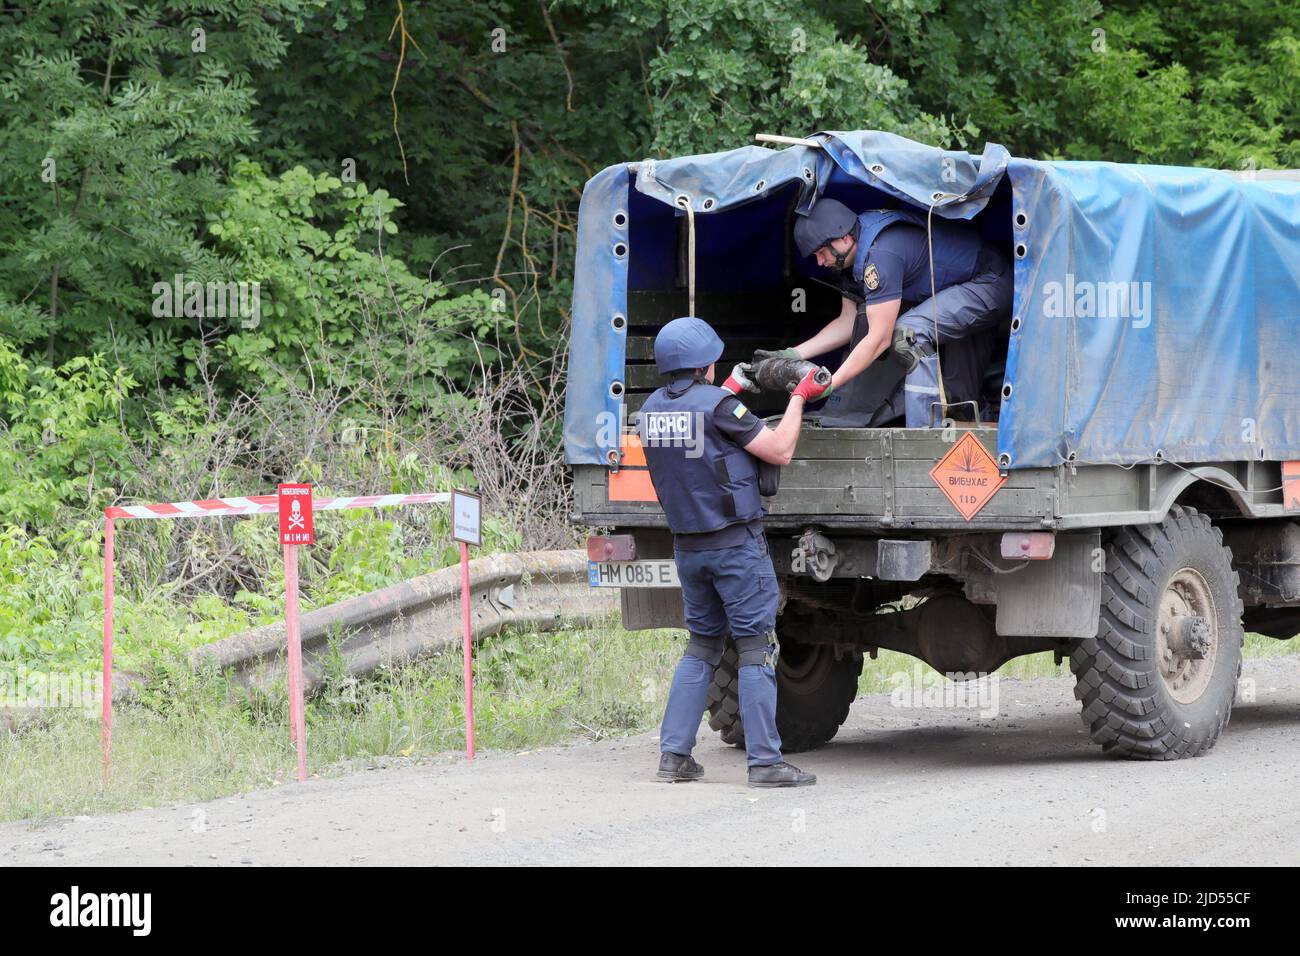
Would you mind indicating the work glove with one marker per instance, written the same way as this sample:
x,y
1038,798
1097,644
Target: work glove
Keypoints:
x,y
739,381
809,389
762,355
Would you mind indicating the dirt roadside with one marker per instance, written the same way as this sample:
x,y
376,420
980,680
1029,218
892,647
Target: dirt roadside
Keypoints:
x,y
898,785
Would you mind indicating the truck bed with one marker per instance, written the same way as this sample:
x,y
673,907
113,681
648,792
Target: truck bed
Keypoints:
x,y
879,479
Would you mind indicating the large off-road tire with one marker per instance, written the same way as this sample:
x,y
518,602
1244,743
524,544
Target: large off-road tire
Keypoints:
x,y
1144,695
813,694
724,699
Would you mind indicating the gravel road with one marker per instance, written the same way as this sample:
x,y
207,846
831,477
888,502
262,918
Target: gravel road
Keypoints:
x,y
908,785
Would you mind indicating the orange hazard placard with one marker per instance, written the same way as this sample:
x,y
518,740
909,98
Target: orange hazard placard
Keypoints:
x,y
968,475
1291,484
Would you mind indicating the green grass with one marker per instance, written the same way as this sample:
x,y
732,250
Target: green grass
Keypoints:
x,y
192,739
1257,645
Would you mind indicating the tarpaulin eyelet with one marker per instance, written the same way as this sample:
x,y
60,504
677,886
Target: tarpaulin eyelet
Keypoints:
x,y
619,321
877,168
620,219
620,249
760,185
707,204
1004,460
807,174
1160,454
936,196
1006,391
615,389
682,200
1015,324
1021,250
1021,220
611,456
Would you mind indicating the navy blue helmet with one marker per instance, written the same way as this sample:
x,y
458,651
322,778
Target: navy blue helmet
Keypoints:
x,y
828,219
685,343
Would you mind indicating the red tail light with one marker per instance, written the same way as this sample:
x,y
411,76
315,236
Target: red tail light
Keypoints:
x,y
1034,545
611,547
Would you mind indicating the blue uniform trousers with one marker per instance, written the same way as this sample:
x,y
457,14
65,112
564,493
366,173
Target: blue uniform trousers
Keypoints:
x,y
967,315
727,592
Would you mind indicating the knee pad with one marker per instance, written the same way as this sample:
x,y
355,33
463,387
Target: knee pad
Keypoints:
x,y
760,649
707,649
908,351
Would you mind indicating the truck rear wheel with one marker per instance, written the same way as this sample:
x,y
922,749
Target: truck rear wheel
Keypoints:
x,y
1159,679
724,699
813,694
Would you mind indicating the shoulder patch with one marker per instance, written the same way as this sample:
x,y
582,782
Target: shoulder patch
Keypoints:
x,y
871,278
741,411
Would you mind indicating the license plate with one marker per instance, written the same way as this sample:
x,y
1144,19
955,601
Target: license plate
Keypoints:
x,y
632,574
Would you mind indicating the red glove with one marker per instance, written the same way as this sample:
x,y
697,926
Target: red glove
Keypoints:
x,y
809,389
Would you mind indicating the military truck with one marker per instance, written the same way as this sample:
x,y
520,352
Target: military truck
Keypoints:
x,y
1127,501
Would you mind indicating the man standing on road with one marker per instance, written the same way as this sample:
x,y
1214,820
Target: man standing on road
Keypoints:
x,y
884,258
702,447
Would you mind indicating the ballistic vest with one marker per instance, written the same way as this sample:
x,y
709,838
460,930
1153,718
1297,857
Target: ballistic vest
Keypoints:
x,y
872,223
704,481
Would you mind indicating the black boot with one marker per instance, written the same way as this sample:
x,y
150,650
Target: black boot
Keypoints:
x,y
675,767
780,775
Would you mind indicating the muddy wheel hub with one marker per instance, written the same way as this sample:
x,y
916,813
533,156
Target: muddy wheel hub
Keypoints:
x,y
1187,635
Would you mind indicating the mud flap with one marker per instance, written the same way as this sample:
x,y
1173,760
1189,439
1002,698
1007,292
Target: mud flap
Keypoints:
x,y
645,608
1060,597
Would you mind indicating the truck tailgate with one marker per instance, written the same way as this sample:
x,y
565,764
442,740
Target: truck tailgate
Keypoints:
x,y
846,477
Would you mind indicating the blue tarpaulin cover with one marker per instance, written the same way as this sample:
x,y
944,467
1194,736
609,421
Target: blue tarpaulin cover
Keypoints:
x,y
1155,309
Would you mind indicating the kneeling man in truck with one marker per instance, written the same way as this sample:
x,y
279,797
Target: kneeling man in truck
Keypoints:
x,y
702,447
884,260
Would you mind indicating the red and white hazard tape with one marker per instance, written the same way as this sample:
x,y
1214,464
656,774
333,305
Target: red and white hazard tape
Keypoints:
x,y
261,504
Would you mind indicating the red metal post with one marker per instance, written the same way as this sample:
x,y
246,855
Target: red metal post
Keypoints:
x,y
106,728
297,714
469,651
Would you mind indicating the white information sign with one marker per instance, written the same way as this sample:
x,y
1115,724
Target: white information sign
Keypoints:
x,y
466,517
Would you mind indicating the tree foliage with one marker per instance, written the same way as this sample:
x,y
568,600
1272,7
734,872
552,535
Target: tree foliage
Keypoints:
x,y
130,126
419,165
400,182
117,134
